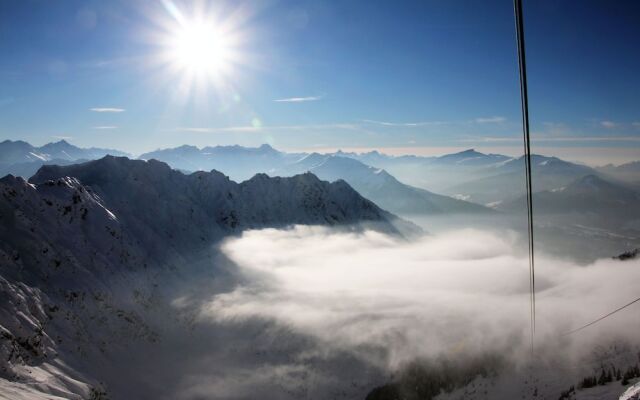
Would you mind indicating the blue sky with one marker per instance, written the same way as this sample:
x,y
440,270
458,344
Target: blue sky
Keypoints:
x,y
418,77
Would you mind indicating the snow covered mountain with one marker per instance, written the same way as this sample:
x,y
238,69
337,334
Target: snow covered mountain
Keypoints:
x,y
467,175
433,173
89,254
475,176
470,157
20,158
125,184
241,163
373,183
380,187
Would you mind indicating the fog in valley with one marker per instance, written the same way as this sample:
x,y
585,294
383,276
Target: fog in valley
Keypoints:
x,y
318,313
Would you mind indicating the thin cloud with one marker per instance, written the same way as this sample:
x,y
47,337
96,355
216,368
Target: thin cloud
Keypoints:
x,y
298,99
490,120
104,127
636,124
62,137
404,124
557,139
107,109
608,124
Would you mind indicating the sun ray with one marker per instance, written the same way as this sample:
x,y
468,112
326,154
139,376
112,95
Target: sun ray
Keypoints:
x,y
200,48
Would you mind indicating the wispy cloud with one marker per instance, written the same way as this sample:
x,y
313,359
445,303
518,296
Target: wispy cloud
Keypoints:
x,y
299,99
107,109
556,139
405,124
609,124
636,124
62,137
104,127
490,120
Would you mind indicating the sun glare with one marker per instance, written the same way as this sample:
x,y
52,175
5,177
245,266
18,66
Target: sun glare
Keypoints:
x,y
200,48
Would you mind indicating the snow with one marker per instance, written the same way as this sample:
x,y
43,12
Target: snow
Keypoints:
x,y
632,393
38,156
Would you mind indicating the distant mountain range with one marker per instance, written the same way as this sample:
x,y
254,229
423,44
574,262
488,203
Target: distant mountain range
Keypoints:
x,y
19,158
240,163
589,200
504,181
629,172
373,183
379,186
401,184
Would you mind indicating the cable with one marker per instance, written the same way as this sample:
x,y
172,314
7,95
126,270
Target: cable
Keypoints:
x,y
601,318
524,97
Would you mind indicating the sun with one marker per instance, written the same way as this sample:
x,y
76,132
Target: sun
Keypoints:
x,y
202,49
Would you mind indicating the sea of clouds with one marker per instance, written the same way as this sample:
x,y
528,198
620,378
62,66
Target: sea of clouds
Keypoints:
x,y
394,300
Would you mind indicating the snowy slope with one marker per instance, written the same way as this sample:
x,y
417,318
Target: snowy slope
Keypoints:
x,y
632,393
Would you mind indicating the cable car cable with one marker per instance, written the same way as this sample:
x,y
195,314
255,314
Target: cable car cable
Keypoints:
x,y
524,97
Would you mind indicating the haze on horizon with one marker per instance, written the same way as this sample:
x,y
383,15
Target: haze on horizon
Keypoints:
x,y
437,78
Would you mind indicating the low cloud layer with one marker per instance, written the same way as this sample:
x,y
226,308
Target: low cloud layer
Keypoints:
x,y
462,291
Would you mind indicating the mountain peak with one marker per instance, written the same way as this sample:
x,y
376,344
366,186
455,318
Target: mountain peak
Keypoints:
x,y
469,151
463,154
591,181
14,142
266,147
60,144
